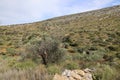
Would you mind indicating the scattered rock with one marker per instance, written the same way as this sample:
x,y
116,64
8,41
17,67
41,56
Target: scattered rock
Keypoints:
x,y
87,70
88,76
66,73
59,77
75,75
80,72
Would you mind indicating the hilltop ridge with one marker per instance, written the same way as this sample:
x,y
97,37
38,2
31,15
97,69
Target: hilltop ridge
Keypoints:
x,y
98,12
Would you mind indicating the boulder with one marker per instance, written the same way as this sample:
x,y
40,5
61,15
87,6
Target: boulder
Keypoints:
x,y
66,73
59,77
74,75
79,72
88,76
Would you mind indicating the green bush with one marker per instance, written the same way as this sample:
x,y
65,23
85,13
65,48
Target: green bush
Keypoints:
x,y
112,48
92,56
71,65
105,72
1,43
118,55
24,65
53,69
47,48
11,51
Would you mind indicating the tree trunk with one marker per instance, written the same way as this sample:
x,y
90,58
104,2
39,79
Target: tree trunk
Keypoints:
x,y
44,59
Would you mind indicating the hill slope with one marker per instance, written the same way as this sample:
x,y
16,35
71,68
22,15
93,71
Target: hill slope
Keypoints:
x,y
85,27
89,38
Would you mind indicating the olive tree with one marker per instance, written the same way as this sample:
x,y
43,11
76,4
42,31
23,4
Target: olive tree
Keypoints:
x,y
48,48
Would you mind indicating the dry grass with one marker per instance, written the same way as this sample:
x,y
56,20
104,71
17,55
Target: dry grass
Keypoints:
x,y
39,73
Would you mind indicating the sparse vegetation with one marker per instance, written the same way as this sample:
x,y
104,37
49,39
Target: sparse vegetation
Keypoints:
x,y
87,40
39,73
106,73
53,69
71,65
11,51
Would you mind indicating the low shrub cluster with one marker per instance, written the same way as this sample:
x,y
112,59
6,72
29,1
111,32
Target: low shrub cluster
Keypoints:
x,y
106,72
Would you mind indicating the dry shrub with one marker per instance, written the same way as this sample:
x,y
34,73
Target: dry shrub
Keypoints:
x,y
39,73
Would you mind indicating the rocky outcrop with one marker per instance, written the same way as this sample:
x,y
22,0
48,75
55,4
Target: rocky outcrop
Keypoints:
x,y
74,75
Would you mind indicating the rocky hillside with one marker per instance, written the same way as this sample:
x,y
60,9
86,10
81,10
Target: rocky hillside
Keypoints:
x,y
90,39
86,28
